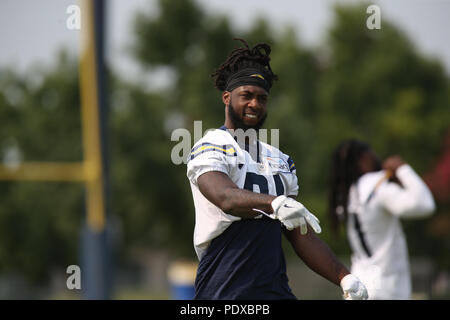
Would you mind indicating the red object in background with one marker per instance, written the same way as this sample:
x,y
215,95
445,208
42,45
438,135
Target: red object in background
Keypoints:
x,y
438,180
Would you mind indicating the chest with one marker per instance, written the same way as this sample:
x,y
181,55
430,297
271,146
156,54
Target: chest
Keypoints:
x,y
263,173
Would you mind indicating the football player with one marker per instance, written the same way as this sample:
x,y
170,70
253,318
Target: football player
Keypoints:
x,y
244,195
370,197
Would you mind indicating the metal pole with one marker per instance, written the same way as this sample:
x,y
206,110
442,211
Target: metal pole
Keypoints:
x,y
96,237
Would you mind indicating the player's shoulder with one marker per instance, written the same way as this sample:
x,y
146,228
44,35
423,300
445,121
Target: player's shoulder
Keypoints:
x,y
371,177
274,152
368,181
215,136
217,141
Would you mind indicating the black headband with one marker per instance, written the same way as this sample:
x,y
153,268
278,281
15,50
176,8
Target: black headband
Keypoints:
x,y
248,76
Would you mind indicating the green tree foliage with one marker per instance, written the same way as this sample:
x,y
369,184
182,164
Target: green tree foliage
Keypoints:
x,y
40,120
148,193
377,87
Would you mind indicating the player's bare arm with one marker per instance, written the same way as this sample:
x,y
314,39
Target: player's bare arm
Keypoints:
x,y
317,255
218,188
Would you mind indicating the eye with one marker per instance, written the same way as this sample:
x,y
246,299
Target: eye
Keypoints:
x,y
262,99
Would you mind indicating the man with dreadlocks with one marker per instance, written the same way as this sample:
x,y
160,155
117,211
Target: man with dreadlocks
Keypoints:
x,y
370,197
244,190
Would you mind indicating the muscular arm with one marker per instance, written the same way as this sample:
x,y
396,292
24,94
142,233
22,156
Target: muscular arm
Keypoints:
x,y
413,199
218,188
317,255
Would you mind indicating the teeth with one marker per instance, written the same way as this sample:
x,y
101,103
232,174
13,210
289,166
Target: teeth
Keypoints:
x,y
253,116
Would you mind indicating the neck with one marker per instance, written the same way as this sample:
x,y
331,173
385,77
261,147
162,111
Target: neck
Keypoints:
x,y
229,124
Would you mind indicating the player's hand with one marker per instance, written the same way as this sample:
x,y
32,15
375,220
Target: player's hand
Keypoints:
x,y
293,214
393,163
353,288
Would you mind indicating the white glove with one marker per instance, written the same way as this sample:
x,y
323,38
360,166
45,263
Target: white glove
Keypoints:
x,y
292,214
353,288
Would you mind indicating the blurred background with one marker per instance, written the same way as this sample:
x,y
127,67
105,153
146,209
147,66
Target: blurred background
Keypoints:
x,y
338,79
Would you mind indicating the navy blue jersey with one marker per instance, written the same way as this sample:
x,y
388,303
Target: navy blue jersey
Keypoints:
x,y
245,262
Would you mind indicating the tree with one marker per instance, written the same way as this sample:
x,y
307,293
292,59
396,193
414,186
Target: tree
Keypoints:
x,y
40,121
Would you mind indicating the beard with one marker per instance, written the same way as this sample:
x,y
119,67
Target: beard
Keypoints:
x,y
237,120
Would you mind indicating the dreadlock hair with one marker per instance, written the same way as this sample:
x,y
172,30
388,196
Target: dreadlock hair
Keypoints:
x,y
344,172
244,57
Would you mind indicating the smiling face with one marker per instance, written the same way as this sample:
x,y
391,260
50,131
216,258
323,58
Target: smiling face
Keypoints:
x,y
246,107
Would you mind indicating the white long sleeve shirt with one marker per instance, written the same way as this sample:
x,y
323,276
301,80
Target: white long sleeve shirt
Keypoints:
x,y
380,253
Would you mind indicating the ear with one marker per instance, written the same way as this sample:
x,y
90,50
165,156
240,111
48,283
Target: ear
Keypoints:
x,y
226,95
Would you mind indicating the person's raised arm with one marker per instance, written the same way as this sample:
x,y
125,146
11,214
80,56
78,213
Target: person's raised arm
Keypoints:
x,y
412,198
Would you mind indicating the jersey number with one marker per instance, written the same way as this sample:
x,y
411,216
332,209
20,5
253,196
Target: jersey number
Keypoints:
x,y
252,179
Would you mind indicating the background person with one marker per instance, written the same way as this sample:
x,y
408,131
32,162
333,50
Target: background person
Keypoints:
x,y
370,198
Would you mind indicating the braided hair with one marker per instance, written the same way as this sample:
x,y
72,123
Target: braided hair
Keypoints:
x,y
244,57
344,172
